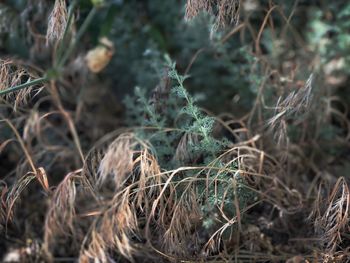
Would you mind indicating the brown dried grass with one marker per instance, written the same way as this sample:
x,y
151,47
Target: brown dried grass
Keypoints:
x,y
57,24
226,12
13,74
333,221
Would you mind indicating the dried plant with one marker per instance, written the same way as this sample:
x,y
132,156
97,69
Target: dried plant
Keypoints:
x,y
333,222
13,74
136,179
226,12
61,212
57,22
118,161
115,229
14,194
3,192
293,105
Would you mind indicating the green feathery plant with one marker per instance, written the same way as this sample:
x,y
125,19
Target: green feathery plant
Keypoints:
x,y
219,183
179,116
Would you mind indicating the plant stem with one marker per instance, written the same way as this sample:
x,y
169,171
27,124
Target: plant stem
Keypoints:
x,y
65,33
24,85
80,33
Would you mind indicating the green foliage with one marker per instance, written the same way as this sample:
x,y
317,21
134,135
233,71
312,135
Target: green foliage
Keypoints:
x,y
219,184
196,122
331,36
143,31
225,187
180,116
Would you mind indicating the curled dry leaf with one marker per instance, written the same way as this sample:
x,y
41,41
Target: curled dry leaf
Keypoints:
x,y
99,57
42,178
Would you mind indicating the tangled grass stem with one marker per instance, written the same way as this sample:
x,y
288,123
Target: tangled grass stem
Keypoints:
x,y
66,30
79,35
24,85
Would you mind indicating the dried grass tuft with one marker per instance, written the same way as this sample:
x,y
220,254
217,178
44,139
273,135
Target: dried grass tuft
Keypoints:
x,y
114,229
61,212
333,222
12,74
294,104
3,191
226,12
13,195
117,162
132,180
58,20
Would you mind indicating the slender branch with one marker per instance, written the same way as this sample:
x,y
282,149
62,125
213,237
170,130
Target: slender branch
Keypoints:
x,y
80,33
65,33
24,85
24,148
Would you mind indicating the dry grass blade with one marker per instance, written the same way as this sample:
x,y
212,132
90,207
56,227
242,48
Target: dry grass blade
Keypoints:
x,y
179,238
3,192
41,176
148,167
294,103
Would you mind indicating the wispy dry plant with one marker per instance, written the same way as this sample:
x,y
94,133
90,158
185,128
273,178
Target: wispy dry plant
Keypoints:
x,y
32,127
116,228
147,209
3,191
194,7
333,222
226,12
61,211
180,238
14,194
57,22
136,182
296,103
182,154
12,74
118,160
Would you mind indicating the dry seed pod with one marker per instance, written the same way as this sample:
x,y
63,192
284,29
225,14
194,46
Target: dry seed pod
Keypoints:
x,y
99,57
